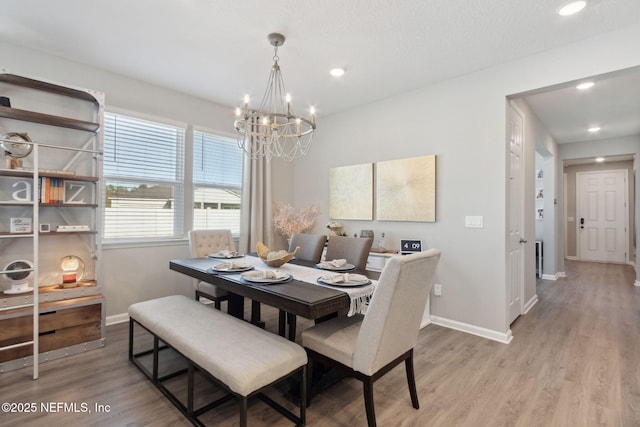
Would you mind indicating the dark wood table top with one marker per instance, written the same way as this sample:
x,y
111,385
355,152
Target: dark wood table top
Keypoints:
x,y
296,297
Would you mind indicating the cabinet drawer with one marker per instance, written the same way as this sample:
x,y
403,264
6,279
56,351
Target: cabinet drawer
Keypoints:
x,y
61,324
53,340
49,320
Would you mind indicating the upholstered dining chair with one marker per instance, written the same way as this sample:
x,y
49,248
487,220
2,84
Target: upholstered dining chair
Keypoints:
x,y
367,347
201,244
354,250
311,246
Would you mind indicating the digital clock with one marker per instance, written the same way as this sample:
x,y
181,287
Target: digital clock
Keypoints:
x,y
410,246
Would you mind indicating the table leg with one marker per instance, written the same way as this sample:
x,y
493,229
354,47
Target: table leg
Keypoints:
x,y
236,306
282,322
291,320
255,314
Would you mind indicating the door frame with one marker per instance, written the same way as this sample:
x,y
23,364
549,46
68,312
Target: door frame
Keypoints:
x,y
626,211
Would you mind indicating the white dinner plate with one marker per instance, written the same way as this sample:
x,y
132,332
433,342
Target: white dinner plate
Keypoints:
x,y
248,278
219,255
349,284
346,267
224,268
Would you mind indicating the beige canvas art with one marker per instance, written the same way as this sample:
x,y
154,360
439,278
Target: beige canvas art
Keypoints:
x,y
406,189
351,192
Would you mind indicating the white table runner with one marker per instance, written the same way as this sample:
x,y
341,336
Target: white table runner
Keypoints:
x,y
359,295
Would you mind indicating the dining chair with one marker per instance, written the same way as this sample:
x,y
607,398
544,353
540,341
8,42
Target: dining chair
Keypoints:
x,y
311,246
201,244
354,250
368,346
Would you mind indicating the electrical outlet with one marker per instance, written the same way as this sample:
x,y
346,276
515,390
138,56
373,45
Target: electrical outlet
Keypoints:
x,y
437,289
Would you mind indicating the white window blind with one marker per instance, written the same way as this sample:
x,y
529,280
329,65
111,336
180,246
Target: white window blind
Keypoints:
x,y
217,182
143,175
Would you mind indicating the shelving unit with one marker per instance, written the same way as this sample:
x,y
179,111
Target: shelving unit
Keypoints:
x,y
64,126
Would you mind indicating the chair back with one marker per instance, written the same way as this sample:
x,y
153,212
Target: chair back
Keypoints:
x,y
392,322
354,250
311,246
205,242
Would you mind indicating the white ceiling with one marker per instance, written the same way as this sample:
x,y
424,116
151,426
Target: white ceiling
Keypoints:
x,y
613,104
218,49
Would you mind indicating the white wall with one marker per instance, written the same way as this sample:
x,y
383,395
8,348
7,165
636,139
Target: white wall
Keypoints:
x,y
461,120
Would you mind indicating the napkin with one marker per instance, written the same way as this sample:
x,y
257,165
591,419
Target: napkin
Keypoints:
x,y
231,265
336,263
265,274
344,278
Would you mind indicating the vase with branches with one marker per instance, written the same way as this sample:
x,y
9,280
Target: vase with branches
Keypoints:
x,y
288,220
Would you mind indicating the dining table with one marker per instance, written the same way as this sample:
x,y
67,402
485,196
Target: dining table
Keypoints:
x,y
302,294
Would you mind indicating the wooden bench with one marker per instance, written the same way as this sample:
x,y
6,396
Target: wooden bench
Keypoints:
x,y
239,357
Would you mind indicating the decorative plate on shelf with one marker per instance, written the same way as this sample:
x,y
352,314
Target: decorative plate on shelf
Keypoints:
x,y
16,144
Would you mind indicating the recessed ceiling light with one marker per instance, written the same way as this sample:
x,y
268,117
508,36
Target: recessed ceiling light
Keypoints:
x,y
337,72
599,159
571,8
594,129
585,85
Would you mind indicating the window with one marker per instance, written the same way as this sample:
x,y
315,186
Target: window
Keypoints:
x,y
143,175
217,182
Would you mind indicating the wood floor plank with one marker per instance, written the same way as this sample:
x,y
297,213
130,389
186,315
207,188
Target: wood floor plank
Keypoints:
x,y
573,361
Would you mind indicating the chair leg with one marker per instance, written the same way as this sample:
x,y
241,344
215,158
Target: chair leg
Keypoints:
x,y
367,385
310,370
217,303
411,380
243,411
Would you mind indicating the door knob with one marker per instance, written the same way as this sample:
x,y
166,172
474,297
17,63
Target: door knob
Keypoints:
x,y
523,240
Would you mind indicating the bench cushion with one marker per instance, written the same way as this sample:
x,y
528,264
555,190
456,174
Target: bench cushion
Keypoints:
x,y
242,356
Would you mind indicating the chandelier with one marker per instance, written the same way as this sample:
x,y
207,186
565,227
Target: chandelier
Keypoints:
x,y
273,130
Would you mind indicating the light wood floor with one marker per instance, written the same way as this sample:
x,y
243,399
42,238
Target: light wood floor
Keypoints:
x,y
574,361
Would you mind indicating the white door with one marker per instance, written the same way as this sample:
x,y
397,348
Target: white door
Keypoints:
x,y
602,216
515,261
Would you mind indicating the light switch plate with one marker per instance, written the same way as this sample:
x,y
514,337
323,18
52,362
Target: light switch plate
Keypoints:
x,y
473,222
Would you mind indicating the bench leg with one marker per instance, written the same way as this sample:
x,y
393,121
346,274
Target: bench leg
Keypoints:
x,y
190,385
131,340
156,350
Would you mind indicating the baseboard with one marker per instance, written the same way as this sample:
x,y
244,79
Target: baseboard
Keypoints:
x,y
553,276
572,258
530,304
636,283
117,318
501,337
425,322
561,274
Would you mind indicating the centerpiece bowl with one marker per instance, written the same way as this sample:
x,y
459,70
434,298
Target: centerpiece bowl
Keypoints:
x,y
275,258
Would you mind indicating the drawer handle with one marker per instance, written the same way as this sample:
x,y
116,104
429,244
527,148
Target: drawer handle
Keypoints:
x,y
48,313
46,333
